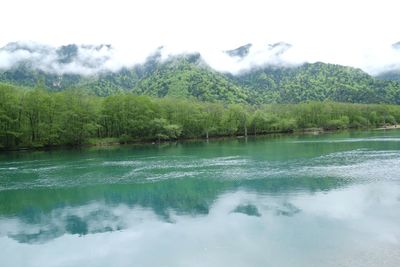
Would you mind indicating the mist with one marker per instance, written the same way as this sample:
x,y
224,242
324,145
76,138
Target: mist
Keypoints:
x,y
90,60
68,59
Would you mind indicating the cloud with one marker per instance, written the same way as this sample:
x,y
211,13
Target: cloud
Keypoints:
x,y
252,56
122,235
93,59
69,59
135,28
381,59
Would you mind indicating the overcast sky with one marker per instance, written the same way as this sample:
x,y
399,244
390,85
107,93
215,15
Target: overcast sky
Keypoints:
x,y
348,32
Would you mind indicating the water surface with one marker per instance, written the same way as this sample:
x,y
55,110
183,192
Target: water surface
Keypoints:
x,y
325,200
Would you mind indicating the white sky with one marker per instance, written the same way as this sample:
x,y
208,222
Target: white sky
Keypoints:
x,y
348,32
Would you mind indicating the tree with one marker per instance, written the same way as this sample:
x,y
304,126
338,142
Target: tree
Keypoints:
x,y
10,110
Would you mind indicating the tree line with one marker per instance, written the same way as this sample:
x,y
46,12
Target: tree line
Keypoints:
x,y
38,118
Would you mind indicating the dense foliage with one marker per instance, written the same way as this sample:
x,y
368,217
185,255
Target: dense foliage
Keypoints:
x,y
317,82
181,78
37,118
187,76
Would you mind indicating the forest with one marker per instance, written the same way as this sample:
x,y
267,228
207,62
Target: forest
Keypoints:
x,y
36,118
188,76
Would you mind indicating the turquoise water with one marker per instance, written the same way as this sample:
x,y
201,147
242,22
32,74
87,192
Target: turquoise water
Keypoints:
x,y
324,200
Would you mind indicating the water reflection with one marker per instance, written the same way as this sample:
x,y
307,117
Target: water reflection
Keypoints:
x,y
353,226
248,209
184,196
298,201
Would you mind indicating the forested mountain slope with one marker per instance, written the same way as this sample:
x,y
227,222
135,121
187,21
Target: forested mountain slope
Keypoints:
x,y
317,82
188,76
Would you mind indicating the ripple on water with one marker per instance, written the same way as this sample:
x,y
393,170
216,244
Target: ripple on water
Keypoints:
x,y
352,140
122,163
8,168
360,164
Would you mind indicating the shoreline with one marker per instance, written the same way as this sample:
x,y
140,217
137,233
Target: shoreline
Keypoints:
x,y
388,127
114,143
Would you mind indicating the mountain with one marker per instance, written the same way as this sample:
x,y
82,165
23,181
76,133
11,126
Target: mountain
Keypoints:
x,y
249,55
317,82
188,76
184,76
28,64
239,52
392,75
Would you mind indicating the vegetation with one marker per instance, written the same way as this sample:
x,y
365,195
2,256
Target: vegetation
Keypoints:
x,y
187,76
38,118
317,82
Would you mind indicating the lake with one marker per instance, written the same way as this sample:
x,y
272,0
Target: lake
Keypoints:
x,y
289,200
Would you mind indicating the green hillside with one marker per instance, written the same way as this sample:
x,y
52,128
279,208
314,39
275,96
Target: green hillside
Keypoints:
x,y
187,76
317,82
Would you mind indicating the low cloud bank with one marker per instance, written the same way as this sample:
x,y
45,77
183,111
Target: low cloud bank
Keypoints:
x,y
92,59
69,59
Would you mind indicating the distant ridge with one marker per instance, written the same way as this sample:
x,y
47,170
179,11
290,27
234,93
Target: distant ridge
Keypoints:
x,y
188,76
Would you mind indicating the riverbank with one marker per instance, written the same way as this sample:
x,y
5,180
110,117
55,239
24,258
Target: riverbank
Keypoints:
x,y
388,127
110,142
